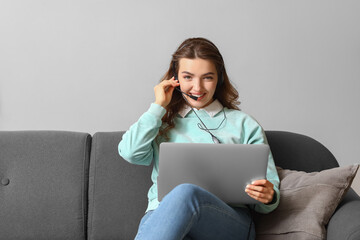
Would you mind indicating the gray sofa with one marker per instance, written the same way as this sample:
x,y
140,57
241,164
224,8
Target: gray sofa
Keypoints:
x,y
70,185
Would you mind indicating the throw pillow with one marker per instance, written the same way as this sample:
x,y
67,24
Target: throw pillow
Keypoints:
x,y
307,202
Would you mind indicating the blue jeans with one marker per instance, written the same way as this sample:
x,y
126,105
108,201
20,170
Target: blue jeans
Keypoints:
x,y
190,212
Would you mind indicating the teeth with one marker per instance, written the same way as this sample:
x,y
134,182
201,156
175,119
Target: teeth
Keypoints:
x,y
197,95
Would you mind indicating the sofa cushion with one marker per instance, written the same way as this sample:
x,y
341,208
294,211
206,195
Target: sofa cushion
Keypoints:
x,y
117,190
43,187
307,202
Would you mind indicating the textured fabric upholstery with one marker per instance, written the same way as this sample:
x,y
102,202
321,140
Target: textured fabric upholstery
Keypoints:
x,y
308,201
46,179
117,190
299,152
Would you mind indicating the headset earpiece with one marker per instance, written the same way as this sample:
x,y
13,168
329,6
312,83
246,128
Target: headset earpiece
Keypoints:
x,y
174,71
220,79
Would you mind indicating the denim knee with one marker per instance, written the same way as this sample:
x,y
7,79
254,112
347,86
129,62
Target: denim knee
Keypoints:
x,y
186,190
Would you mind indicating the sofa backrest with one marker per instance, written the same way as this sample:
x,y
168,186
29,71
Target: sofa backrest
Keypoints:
x,y
299,152
117,190
43,184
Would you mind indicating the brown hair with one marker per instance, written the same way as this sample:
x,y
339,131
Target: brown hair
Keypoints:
x,y
198,48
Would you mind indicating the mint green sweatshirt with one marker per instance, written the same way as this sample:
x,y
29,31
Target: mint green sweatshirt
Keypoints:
x,y
138,145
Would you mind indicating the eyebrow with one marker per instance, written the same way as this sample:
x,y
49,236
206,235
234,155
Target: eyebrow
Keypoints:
x,y
209,73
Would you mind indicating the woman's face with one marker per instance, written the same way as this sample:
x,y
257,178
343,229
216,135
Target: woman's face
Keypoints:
x,y
198,77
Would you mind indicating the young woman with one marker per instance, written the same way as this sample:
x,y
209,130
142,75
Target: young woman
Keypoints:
x,y
203,91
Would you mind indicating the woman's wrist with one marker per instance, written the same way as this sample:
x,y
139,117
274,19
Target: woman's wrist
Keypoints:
x,y
274,199
161,104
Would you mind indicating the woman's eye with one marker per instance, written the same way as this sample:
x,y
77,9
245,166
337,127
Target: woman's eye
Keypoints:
x,y
187,77
208,78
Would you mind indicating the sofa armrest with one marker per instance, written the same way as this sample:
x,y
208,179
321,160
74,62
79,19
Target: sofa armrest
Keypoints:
x,y
345,224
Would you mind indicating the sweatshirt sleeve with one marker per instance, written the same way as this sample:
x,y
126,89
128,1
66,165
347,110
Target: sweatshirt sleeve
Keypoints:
x,y
255,134
136,144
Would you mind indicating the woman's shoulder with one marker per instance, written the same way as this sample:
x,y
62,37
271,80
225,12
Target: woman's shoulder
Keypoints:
x,y
238,113
241,116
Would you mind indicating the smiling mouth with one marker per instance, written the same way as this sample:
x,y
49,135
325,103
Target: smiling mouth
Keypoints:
x,y
199,97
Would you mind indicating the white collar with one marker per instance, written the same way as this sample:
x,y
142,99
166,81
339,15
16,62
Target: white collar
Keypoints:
x,y
212,109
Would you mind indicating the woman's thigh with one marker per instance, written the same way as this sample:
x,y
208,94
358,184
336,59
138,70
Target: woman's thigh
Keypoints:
x,y
193,212
223,223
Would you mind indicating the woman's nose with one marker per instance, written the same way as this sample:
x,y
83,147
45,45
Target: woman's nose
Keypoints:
x,y
196,84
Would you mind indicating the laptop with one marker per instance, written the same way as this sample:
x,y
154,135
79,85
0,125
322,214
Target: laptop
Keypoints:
x,y
222,169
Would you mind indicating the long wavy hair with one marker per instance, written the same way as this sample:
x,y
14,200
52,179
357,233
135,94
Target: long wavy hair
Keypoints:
x,y
225,92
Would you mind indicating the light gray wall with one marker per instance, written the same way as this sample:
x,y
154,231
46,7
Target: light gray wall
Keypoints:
x,y
91,65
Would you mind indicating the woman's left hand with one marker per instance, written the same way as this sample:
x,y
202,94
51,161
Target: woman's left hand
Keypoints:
x,y
261,190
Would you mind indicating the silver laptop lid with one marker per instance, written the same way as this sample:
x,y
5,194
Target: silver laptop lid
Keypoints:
x,y
222,169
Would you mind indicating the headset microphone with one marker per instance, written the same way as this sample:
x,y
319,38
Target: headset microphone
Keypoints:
x,y
193,97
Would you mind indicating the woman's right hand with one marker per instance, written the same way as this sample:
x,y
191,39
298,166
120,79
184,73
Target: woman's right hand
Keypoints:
x,y
164,90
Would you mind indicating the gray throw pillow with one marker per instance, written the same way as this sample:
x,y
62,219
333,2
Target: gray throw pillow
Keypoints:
x,y
307,202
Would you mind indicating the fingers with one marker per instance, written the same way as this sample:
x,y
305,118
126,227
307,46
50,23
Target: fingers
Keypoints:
x,y
165,85
169,83
261,190
260,182
163,91
261,198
